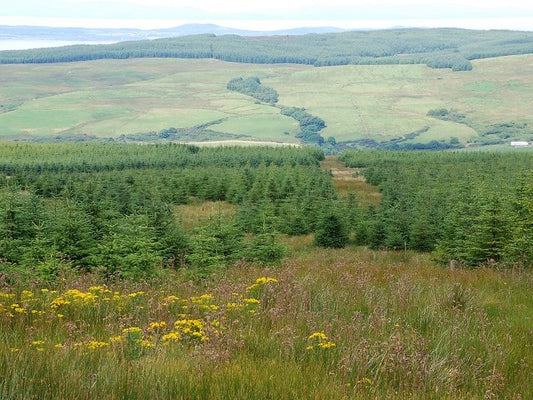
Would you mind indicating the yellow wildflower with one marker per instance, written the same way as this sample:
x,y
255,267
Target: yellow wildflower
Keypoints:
x,y
259,282
78,297
326,345
191,328
157,326
59,302
320,341
26,295
169,300
171,337
93,345
116,339
205,298
146,344
234,306
318,335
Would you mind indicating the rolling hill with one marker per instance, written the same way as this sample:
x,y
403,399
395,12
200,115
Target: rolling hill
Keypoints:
x,y
136,99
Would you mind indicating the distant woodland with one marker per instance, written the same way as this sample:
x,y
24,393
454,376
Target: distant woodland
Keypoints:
x,y
437,48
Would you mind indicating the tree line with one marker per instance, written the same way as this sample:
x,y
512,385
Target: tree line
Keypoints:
x,y
252,87
310,125
437,48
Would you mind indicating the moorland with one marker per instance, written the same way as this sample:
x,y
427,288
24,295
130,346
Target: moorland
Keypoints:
x,y
134,267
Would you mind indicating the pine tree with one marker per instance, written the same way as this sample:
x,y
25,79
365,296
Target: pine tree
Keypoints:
x,y
331,231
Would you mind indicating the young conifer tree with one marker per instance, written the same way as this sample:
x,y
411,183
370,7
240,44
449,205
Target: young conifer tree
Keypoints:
x,y
331,230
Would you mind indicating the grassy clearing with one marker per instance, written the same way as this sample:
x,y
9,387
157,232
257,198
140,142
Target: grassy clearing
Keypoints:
x,y
198,214
113,97
347,181
336,324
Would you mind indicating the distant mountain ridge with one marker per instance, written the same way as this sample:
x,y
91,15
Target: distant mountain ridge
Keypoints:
x,y
8,32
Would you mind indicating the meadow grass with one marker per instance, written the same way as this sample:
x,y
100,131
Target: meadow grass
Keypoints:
x,y
349,181
201,213
326,324
114,97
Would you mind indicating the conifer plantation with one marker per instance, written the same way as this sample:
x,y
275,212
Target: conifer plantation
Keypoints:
x,y
170,271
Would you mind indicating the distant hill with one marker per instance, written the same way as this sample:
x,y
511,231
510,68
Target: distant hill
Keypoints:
x,y
118,35
437,48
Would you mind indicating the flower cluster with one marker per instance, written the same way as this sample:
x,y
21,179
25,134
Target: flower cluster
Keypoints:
x,y
319,340
191,330
260,283
242,303
84,319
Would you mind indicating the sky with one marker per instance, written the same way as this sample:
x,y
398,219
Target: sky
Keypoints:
x,y
271,14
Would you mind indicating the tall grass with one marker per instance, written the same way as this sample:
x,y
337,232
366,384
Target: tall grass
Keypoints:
x,y
399,327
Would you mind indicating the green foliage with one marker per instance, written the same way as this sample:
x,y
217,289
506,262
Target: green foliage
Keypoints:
x,y
447,115
129,250
213,247
331,230
266,248
469,206
437,48
253,87
520,247
110,207
503,132
310,125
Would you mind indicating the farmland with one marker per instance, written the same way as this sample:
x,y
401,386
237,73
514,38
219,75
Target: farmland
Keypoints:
x,y
110,98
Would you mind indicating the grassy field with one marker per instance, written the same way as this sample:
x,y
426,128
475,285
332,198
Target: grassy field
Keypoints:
x,y
333,324
326,324
112,97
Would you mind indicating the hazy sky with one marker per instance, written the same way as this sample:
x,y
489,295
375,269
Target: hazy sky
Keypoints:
x,y
270,14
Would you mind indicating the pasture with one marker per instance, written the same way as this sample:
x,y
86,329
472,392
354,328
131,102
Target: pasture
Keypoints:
x,y
109,98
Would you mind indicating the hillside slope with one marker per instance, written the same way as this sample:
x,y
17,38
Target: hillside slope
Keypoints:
x,y
382,105
437,48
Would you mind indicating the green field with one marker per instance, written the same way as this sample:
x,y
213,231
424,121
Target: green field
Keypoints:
x,y
182,272
109,98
